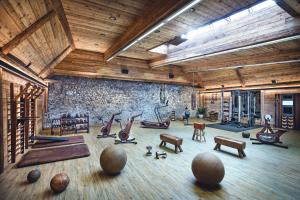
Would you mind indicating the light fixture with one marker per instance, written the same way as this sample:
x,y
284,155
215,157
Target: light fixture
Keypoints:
x,y
110,59
112,18
128,46
150,31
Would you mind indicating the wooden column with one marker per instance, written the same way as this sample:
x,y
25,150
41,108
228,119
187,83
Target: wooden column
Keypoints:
x,y
26,125
1,125
13,116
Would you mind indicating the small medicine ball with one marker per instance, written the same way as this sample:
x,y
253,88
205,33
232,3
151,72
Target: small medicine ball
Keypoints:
x,y
59,182
33,175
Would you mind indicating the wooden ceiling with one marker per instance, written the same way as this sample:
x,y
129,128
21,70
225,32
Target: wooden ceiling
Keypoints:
x,y
73,37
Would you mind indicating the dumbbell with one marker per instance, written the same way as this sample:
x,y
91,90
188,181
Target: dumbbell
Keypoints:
x,y
160,154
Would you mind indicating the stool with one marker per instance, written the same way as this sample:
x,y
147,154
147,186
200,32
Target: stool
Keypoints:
x,y
199,132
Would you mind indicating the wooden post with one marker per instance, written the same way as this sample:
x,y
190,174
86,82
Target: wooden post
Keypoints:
x,y
13,116
26,125
1,125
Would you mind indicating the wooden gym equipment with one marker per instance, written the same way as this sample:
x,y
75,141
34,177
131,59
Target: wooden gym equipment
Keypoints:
x,y
161,123
236,144
167,138
124,133
21,119
268,136
105,129
199,132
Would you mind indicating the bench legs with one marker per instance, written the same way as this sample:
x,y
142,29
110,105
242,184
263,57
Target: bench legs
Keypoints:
x,y
217,147
198,135
163,143
240,151
178,147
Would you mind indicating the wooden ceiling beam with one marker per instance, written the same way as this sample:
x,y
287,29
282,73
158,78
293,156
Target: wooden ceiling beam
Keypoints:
x,y
156,12
20,67
27,32
58,7
47,70
287,8
288,84
246,65
240,77
167,61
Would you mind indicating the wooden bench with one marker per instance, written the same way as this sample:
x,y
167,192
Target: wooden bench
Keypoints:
x,y
236,144
166,138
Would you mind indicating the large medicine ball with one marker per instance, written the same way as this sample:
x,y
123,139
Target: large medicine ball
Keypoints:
x,y
113,159
208,169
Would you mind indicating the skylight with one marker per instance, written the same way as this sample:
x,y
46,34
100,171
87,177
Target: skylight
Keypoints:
x,y
222,22
219,24
162,49
263,5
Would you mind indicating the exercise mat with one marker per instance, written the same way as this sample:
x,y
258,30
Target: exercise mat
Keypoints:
x,y
71,140
41,156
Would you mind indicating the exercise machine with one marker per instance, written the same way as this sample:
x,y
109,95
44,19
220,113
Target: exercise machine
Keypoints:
x,y
268,136
105,129
124,133
161,123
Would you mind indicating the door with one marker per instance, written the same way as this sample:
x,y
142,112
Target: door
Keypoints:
x,y
297,111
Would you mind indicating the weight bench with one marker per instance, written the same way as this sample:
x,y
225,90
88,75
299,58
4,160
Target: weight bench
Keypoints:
x,y
166,138
236,144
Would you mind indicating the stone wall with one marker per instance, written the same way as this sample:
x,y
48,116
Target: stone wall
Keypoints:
x,y
102,97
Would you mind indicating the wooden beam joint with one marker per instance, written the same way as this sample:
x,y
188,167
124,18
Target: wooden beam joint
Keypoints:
x,y
27,32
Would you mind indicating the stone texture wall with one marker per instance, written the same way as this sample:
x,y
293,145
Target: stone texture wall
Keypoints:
x,y
102,97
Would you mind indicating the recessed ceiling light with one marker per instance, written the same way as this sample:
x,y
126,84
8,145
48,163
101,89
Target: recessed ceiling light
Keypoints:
x,y
112,18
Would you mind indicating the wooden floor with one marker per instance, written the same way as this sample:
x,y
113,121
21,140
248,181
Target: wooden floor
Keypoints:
x,y
266,173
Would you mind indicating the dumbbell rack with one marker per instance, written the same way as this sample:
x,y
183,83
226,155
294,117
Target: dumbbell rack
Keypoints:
x,y
21,119
74,124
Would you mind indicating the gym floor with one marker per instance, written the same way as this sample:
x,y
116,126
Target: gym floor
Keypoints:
x,y
266,173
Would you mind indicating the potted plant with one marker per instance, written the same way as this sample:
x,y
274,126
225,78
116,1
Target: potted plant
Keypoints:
x,y
201,112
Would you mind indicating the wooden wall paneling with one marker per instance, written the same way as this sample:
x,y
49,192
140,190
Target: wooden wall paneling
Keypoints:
x,y
1,124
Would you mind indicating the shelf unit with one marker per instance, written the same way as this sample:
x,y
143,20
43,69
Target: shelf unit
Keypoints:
x,y
226,110
73,124
287,122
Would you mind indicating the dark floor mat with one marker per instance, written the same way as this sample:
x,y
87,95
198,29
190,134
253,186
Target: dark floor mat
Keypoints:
x,y
72,140
41,156
231,127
